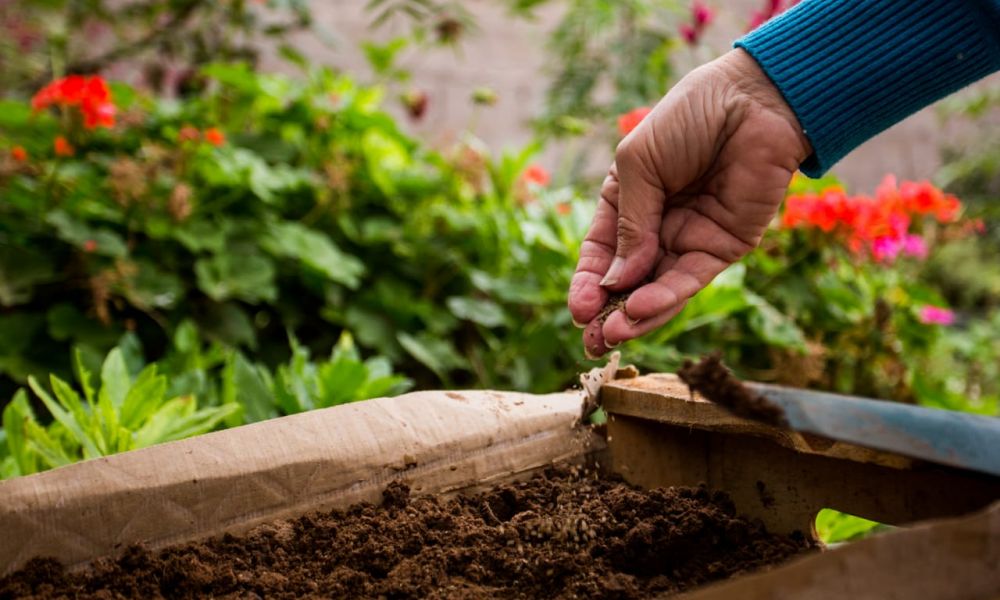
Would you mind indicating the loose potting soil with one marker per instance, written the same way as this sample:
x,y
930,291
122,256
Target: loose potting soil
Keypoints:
x,y
563,534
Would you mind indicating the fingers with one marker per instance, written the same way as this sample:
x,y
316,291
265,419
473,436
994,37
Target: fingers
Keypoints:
x,y
586,296
690,273
640,210
599,339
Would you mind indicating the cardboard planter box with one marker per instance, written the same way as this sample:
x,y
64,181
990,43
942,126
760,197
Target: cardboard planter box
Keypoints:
x,y
444,442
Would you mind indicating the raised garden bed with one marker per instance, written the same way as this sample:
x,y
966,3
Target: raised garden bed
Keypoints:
x,y
222,514
565,533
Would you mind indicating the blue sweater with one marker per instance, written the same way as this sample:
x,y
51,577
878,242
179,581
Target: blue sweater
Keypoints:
x,y
852,68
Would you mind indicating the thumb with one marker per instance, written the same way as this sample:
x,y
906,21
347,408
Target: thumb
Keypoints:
x,y
640,213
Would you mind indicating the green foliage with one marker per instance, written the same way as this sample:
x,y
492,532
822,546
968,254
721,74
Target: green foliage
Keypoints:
x,y
113,413
834,527
195,389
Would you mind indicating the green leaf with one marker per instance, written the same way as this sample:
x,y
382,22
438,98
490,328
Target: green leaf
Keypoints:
x,y
178,419
245,386
246,276
115,379
315,250
104,241
144,397
15,416
66,418
84,376
773,327
386,158
484,312
436,354
833,526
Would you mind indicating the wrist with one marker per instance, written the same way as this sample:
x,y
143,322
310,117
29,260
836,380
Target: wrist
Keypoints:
x,y
755,89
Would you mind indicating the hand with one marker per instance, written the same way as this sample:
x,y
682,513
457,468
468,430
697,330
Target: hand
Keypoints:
x,y
691,191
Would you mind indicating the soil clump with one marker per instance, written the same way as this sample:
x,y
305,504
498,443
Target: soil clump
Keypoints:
x,y
566,533
710,378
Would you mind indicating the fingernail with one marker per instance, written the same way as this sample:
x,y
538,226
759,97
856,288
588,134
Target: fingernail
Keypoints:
x,y
632,322
612,346
578,325
590,355
614,272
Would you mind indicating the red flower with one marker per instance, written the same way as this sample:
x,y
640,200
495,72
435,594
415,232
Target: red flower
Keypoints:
x,y
880,224
19,154
90,246
215,136
631,119
564,208
537,175
62,147
90,94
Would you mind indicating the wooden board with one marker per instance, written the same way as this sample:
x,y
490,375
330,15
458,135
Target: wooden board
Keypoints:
x,y
659,435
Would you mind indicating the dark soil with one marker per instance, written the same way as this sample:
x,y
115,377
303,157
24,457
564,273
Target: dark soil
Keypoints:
x,y
615,302
710,378
564,534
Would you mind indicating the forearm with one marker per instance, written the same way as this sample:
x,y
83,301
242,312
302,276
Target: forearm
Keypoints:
x,y
850,69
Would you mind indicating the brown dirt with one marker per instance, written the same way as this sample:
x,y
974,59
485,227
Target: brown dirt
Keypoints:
x,y
564,534
710,378
615,302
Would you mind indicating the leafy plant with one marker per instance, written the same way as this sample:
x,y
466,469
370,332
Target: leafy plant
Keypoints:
x,y
115,413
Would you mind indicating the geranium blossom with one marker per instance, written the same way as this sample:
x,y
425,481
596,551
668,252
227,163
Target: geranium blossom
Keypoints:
x,y
19,154
214,136
880,224
90,95
701,16
537,175
62,147
630,120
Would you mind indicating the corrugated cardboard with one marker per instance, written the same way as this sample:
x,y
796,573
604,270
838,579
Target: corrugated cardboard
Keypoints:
x,y
231,480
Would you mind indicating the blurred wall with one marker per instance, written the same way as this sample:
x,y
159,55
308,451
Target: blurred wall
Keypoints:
x,y
508,55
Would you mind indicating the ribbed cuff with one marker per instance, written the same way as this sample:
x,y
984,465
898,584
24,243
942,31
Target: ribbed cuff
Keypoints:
x,y
850,69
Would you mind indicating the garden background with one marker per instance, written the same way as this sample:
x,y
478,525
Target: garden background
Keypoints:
x,y
214,213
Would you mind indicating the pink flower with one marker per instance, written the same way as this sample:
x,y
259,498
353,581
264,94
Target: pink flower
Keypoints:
x,y
703,15
886,248
915,246
936,315
689,33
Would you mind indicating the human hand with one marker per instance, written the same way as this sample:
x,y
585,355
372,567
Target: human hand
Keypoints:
x,y
692,190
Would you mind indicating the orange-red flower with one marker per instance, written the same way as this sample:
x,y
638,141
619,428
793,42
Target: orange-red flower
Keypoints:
x,y
90,246
214,136
564,208
62,147
631,119
880,224
90,95
537,175
19,154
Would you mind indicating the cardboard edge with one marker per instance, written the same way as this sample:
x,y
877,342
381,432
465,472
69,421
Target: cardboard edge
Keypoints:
x,y
946,559
234,480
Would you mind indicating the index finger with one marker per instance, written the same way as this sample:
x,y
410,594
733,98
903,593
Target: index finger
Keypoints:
x,y
586,296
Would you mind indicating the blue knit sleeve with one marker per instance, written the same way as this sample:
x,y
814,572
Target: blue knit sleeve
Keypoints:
x,y
852,68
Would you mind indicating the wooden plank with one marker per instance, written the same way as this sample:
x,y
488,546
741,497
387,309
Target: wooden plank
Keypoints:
x,y
666,399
